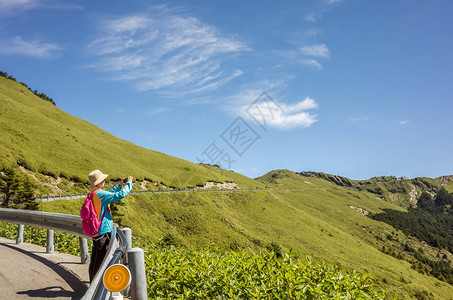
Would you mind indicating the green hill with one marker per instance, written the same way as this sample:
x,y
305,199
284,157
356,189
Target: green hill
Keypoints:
x,y
311,216
44,139
401,191
320,215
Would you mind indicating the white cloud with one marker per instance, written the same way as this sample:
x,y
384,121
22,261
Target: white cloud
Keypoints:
x,y
13,6
403,122
306,104
174,54
256,106
197,100
18,46
358,119
281,115
320,50
18,4
125,24
310,62
158,111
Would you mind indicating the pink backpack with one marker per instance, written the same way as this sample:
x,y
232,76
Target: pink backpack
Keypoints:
x,y
90,221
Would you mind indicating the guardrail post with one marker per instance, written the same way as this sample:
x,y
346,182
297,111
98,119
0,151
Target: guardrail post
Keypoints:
x,y
49,247
84,254
128,233
136,258
20,234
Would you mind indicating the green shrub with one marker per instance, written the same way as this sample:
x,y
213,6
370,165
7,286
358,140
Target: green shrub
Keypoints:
x,y
213,274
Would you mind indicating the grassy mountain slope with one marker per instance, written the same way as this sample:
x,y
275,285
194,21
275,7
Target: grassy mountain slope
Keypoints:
x,y
44,139
316,215
312,216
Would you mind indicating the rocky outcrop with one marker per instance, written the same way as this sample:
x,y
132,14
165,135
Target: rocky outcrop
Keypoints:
x,y
413,194
446,179
48,181
360,210
338,180
220,185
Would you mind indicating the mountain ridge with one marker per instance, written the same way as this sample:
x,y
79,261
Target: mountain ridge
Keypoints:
x,y
399,190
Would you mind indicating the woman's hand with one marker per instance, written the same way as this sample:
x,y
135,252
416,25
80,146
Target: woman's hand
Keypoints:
x,y
124,180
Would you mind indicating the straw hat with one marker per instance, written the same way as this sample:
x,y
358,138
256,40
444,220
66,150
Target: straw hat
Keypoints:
x,y
96,177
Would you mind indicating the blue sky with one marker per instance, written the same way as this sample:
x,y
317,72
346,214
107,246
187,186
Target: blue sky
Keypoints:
x,y
349,87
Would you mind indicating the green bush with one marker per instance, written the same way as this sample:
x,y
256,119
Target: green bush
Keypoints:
x,y
213,274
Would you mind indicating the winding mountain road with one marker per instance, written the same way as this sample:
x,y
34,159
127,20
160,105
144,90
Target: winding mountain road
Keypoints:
x,y
27,271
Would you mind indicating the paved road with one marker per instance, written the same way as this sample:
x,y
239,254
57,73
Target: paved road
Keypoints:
x,y
27,271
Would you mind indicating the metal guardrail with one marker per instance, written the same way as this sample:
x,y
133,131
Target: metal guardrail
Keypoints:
x,y
66,197
116,251
55,221
118,247
79,196
120,252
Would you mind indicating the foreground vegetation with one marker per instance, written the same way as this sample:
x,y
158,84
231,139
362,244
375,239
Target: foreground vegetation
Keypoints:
x,y
314,220
212,273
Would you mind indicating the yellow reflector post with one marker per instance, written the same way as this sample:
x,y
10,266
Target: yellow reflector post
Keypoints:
x,y
117,278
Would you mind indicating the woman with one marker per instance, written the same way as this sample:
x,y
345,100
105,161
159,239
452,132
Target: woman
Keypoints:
x,y
101,203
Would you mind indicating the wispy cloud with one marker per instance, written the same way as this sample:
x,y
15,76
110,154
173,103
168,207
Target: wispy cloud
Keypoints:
x,y
310,62
13,6
319,50
164,51
19,46
285,116
6,5
403,122
317,15
358,119
313,31
311,17
197,100
315,50
158,111
291,57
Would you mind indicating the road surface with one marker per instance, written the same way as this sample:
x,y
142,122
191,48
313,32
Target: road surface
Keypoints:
x,y
27,271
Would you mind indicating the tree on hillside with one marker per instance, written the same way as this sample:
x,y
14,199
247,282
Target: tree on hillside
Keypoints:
x,y
40,95
9,185
18,191
443,198
426,202
26,195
